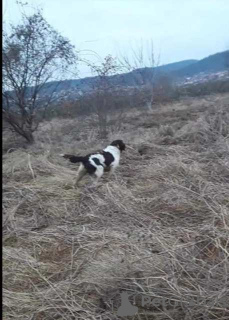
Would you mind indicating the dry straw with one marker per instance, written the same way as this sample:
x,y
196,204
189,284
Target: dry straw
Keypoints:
x,y
160,227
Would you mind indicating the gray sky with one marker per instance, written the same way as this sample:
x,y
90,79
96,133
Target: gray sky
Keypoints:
x,y
179,29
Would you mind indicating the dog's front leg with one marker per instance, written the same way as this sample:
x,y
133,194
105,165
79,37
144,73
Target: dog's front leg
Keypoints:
x,y
111,171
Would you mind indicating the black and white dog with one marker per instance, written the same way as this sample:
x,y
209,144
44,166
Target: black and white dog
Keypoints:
x,y
96,163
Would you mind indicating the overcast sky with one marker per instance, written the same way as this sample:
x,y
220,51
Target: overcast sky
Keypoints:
x,y
179,29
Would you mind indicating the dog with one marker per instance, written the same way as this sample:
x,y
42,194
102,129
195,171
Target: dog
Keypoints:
x,y
98,162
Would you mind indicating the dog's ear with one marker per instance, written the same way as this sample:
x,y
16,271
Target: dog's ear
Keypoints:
x,y
119,144
122,145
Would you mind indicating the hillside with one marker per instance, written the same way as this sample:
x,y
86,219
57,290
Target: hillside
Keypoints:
x,y
158,229
175,66
214,63
124,79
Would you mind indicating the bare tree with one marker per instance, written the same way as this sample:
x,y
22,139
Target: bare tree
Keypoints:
x,y
104,91
142,63
33,54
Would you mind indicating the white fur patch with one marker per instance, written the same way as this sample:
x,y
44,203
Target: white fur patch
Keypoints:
x,y
98,156
115,153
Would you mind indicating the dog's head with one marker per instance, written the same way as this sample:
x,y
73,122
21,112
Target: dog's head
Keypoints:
x,y
119,144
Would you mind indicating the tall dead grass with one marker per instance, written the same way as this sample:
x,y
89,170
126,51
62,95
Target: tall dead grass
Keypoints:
x,y
159,228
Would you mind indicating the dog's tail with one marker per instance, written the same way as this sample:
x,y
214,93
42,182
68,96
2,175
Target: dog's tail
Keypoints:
x,y
72,158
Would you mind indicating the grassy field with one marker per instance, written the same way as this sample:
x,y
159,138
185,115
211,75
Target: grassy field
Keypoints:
x,y
159,228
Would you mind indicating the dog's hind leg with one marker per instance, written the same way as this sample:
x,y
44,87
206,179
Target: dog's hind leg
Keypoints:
x,y
98,173
80,174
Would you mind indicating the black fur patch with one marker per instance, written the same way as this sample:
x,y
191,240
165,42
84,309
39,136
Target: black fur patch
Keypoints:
x,y
109,158
73,159
96,161
89,167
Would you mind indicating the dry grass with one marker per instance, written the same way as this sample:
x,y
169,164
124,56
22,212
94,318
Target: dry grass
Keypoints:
x,y
160,227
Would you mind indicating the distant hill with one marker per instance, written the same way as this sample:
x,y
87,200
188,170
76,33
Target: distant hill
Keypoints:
x,y
176,66
214,63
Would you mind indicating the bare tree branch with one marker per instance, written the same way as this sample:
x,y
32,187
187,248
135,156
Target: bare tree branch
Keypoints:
x,y
33,54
